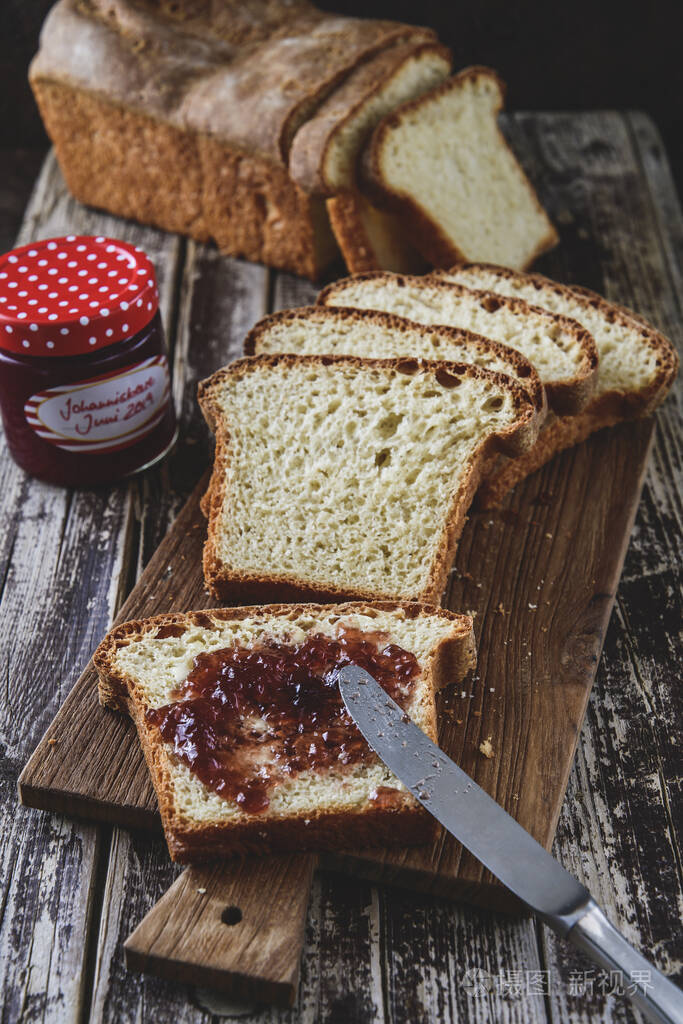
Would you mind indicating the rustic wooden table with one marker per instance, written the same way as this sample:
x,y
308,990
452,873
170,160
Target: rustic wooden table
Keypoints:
x,y
71,892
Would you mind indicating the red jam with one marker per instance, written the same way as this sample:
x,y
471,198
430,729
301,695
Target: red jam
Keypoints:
x,y
84,380
245,718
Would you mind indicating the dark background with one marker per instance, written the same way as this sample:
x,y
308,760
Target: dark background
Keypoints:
x,y
578,55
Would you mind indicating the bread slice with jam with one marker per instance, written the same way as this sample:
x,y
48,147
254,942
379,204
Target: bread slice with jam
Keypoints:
x,y
244,731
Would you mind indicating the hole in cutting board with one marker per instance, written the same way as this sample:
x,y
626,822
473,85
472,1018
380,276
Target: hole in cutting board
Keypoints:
x,y
231,915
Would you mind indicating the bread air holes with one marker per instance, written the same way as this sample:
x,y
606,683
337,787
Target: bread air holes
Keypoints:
x,y
388,426
491,303
448,380
494,403
383,458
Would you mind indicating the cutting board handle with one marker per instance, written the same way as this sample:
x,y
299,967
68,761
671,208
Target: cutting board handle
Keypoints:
x,y
236,926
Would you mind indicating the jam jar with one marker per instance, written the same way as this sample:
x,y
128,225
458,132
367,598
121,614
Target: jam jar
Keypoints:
x,y
84,380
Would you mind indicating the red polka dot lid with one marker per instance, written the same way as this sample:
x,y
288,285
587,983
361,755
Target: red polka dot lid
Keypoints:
x,y
67,296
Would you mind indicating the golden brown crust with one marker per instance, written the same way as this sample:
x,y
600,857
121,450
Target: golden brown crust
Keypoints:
x,y
308,154
564,396
402,821
614,404
138,107
425,232
606,409
231,585
521,369
184,182
347,212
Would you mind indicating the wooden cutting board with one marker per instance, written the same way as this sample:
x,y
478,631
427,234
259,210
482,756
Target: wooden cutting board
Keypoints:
x,y
540,576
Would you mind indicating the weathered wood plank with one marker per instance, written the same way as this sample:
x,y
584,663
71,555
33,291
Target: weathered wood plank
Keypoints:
x,y
139,874
450,964
237,928
617,829
60,560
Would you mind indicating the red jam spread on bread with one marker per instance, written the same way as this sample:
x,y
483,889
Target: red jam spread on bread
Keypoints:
x,y
246,718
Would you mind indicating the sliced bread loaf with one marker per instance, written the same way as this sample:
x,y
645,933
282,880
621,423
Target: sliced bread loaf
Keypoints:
x,y
247,741
339,477
637,363
369,334
562,352
442,163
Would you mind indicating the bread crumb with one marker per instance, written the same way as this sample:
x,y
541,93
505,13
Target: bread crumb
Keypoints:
x,y
201,891
486,749
52,743
477,714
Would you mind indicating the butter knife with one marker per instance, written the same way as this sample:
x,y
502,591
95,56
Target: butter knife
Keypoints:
x,y
501,844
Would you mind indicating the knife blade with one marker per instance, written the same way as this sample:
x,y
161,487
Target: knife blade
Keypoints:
x,y
500,843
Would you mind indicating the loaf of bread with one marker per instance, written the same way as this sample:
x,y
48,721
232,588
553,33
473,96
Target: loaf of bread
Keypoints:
x,y
183,117
233,121
336,477
637,364
562,352
368,334
441,160
243,730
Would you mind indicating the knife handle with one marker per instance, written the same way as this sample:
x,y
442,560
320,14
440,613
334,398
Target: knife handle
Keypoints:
x,y
655,996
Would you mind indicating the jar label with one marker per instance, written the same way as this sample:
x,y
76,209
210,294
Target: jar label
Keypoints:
x,y
103,413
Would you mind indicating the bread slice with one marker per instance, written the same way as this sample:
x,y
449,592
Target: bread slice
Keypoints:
x,y
637,363
562,352
336,477
320,802
325,149
368,334
371,239
442,162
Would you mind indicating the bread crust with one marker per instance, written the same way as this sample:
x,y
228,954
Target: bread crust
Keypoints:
x,y
566,396
311,144
606,409
345,212
524,373
184,182
402,820
246,75
613,404
237,586
426,233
